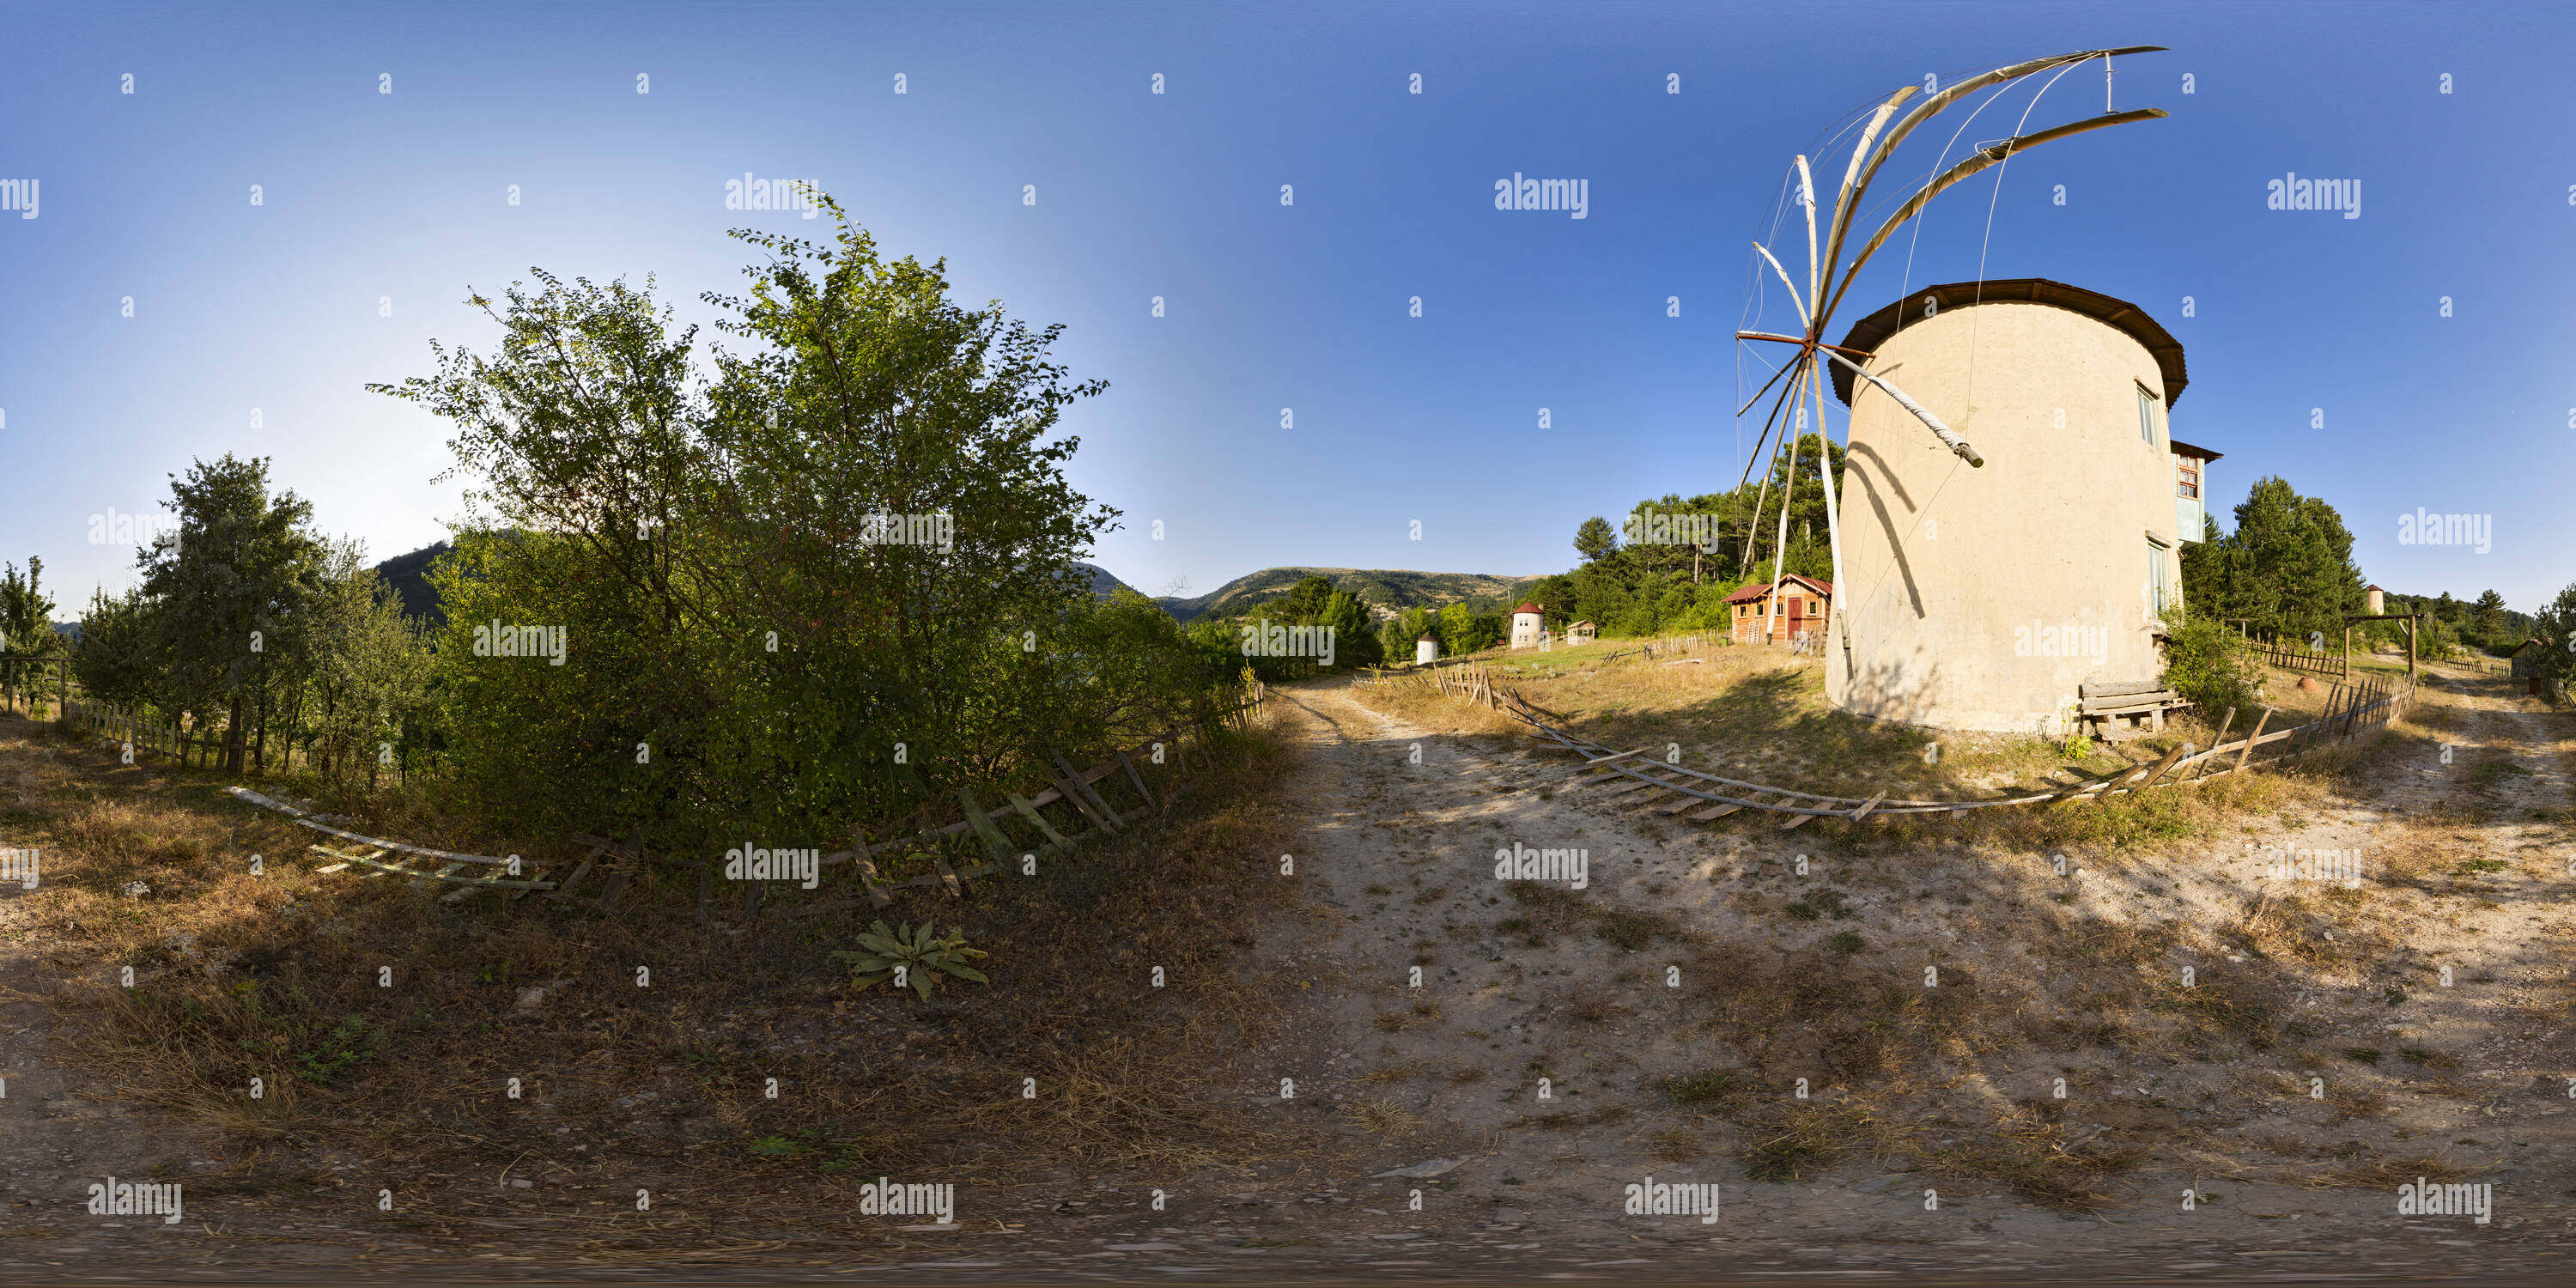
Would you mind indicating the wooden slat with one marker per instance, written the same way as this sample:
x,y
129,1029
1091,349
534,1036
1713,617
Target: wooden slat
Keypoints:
x,y
1138,779
1082,803
2253,738
996,845
1030,812
1074,782
1866,806
2161,766
1714,813
867,867
947,874
1633,784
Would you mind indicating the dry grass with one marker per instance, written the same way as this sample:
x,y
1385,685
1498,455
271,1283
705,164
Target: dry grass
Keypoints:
x,y
1760,715
276,976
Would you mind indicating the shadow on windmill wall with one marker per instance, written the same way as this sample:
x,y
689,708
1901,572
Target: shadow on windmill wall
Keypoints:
x,y
1892,690
1869,480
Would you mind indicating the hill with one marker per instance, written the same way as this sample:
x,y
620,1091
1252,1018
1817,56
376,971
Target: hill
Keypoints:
x,y
409,576
1386,591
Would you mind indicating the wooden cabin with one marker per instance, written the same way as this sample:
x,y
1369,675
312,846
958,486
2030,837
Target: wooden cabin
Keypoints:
x,y
1801,612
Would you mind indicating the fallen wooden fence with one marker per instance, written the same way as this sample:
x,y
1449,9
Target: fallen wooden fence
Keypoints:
x,y
2350,709
614,864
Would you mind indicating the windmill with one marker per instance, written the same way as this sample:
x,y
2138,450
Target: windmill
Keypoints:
x,y
1804,372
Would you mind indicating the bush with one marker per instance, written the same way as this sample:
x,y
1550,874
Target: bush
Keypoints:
x,y
2209,663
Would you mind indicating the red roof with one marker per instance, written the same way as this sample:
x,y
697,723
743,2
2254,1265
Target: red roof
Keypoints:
x,y
1751,593
1526,607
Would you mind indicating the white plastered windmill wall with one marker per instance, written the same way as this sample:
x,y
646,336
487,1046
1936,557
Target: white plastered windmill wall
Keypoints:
x,y
1830,271
1980,599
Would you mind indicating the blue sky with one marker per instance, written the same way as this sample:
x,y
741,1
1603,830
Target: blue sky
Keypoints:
x,y
369,196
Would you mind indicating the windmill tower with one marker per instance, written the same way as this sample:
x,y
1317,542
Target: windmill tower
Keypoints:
x,y
1875,664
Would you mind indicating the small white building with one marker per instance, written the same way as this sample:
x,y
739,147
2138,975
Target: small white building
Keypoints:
x,y
1529,621
1426,650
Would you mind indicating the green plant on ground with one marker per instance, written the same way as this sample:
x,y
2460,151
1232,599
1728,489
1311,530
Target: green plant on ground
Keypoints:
x,y
913,955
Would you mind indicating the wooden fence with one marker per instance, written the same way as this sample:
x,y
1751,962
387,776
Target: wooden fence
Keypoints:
x,y
122,725
2350,709
1152,773
23,682
2292,658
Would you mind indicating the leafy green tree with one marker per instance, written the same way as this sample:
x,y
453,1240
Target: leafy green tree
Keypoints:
x,y
226,595
834,580
2287,568
2553,635
1464,630
2490,614
1595,539
27,613
365,671
114,660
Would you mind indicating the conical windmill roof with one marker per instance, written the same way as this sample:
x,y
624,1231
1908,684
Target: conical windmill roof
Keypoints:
x,y
1872,331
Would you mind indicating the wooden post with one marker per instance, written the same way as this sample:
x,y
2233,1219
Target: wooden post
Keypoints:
x,y
2347,650
2215,744
2250,739
2411,622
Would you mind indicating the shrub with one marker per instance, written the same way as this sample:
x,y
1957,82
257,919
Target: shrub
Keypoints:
x,y
2208,663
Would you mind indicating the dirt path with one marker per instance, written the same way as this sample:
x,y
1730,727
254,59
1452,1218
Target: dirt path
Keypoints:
x,y
1401,854
1400,829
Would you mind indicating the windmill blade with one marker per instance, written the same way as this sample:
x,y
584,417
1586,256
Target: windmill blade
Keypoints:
x,y
1981,159
1807,198
1768,422
1933,106
1851,174
1784,281
1939,430
1766,385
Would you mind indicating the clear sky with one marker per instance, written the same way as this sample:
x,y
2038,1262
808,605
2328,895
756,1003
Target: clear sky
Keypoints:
x,y
369,197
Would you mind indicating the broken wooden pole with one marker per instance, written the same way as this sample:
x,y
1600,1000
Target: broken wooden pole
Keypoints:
x,y
2247,751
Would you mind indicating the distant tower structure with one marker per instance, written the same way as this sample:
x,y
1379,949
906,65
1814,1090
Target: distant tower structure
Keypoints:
x,y
1986,599
2378,601
1528,621
1426,650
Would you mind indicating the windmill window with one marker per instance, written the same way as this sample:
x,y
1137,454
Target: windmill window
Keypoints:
x,y
2146,414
